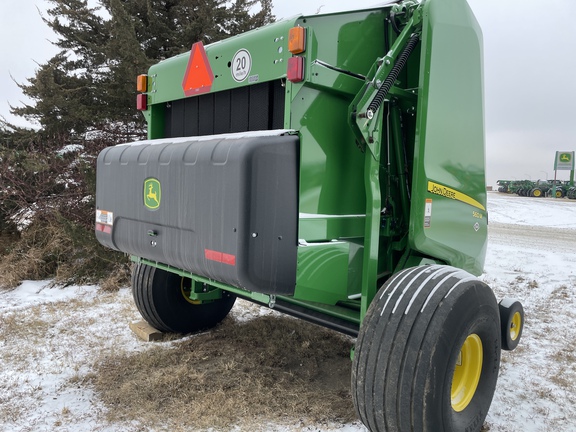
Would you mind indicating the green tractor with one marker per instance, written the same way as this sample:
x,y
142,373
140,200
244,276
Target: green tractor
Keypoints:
x,y
540,189
504,186
560,190
330,167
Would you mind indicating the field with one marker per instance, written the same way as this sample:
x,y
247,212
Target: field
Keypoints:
x,y
69,362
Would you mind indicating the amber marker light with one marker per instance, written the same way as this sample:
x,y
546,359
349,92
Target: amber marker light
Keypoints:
x,y
297,40
142,83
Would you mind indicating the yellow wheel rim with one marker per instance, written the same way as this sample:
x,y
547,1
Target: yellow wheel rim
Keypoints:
x,y
187,290
537,193
467,373
515,326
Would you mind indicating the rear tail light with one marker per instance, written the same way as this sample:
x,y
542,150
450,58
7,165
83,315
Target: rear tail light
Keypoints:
x,y
142,87
142,102
295,72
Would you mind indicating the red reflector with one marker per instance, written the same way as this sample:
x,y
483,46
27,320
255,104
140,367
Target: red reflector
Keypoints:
x,y
104,228
199,76
141,102
295,72
220,257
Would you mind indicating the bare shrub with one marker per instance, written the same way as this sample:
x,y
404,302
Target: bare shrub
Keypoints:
x,y
47,192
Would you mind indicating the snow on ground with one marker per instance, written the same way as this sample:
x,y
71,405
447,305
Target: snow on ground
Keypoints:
x,y
538,212
531,256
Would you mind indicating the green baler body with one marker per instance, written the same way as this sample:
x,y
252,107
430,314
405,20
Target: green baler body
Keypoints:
x,y
425,162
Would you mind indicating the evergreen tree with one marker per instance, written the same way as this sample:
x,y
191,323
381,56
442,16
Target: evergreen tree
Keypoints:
x,y
90,83
47,185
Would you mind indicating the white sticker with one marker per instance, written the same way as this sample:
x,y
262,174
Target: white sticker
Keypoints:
x,y
428,213
104,217
241,65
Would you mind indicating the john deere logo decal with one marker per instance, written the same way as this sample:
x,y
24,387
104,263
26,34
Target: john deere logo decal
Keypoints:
x,y
564,161
152,193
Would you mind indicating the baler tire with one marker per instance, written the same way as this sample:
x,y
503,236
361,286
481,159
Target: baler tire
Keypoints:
x,y
511,323
413,335
159,299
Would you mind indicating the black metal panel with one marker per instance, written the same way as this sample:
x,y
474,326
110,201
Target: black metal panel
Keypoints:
x,y
191,116
222,112
176,121
206,115
251,108
226,209
277,104
240,106
258,118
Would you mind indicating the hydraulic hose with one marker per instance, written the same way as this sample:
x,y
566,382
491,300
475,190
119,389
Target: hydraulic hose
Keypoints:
x,y
393,75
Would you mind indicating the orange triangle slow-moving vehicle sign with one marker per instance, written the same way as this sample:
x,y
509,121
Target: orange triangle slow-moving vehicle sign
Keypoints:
x,y
199,77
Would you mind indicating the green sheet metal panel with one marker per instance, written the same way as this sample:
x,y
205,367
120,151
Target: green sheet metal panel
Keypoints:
x,y
332,202
328,272
448,210
268,49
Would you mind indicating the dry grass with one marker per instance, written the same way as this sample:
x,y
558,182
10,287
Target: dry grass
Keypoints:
x,y
270,369
118,278
60,250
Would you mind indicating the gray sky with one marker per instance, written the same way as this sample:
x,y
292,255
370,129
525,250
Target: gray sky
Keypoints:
x,y
530,68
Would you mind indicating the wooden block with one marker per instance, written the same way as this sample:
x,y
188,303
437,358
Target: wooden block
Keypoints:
x,y
145,331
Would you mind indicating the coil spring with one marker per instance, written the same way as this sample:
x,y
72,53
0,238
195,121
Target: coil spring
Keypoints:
x,y
393,75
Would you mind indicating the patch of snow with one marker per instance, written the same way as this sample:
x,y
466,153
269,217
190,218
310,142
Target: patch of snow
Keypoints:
x,y
540,212
69,149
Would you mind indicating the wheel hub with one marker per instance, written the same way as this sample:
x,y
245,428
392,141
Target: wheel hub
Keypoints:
x,y
515,325
467,373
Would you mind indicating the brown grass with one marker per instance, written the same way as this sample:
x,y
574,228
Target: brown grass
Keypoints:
x,y
63,251
118,278
270,369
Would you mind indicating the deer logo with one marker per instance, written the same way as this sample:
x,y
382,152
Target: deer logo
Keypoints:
x,y
152,193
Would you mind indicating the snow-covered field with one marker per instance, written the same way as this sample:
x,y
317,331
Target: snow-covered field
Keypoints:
x,y
531,256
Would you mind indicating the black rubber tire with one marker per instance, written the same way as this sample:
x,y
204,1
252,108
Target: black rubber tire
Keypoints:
x,y
510,335
159,299
408,346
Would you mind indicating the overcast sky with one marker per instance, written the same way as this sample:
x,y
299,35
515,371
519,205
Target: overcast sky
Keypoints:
x,y
530,73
